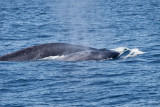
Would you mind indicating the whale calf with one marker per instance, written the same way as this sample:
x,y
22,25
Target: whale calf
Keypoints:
x,y
70,51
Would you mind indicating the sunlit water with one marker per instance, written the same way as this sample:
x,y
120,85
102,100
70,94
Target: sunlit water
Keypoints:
x,y
131,27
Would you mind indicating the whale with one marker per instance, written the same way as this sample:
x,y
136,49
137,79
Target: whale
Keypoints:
x,y
71,52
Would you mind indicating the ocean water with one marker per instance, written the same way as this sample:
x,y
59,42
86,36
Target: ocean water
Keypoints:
x,y
131,27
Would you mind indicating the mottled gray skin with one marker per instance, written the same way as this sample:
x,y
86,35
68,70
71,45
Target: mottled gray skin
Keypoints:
x,y
73,53
91,55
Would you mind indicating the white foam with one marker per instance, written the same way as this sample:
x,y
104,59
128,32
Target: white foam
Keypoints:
x,y
134,52
131,52
53,57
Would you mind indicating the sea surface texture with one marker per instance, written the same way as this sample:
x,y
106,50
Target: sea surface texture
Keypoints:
x,y
131,27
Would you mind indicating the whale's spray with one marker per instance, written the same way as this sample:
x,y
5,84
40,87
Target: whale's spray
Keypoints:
x,y
75,22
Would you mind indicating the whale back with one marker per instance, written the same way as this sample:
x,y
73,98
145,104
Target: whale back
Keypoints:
x,y
44,50
91,55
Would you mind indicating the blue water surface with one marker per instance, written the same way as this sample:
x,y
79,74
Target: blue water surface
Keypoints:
x,y
131,82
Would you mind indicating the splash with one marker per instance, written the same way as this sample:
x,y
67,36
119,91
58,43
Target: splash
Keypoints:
x,y
127,53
